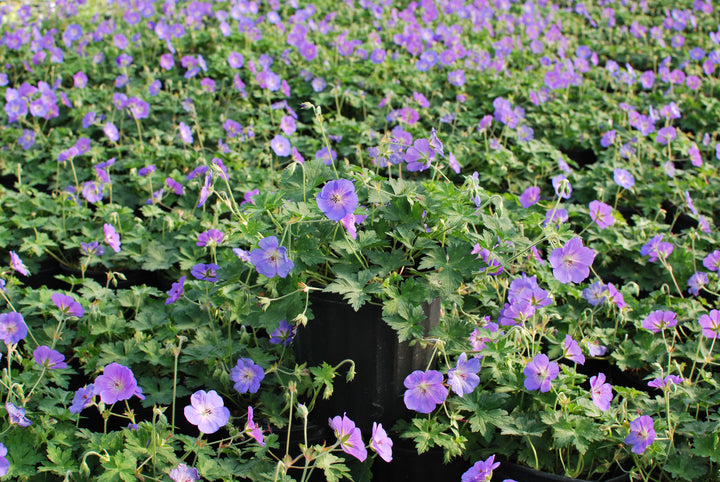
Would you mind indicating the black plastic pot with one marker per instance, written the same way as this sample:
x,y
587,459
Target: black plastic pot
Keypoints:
x,y
337,333
408,466
520,473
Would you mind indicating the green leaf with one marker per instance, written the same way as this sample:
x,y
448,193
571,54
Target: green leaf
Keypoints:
x,y
157,257
332,466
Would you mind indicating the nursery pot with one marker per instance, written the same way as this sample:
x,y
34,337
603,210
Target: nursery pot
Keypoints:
x,y
521,473
381,362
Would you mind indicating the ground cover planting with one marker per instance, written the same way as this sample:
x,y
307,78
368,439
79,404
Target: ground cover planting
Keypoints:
x,y
367,240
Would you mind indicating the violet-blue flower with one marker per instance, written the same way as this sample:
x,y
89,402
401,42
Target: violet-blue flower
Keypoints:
x,y
49,358
349,437
601,213
481,471
283,334
252,429
696,282
381,443
572,262
530,196
280,146
12,327
183,473
572,351
601,392
112,238
623,178
271,259
642,434
207,410
205,272
176,291
16,415
211,237
656,248
4,462
337,198
247,376
658,320
83,398
710,324
117,383
540,372
17,264
425,390
463,379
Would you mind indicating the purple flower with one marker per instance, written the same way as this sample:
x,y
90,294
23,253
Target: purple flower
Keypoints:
x,y
665,135
17,415
111,131
207,411
185,133
12,327
658,320
540,372
138,107
530,196
642,434
615,297
608,138
666,382
601,392
463,379
562,186
27,139
516,313
166,61
176,291
337,199
601,213
17,264
205,272
92,191
112,238
710,324
572,351
456,77
183,473
572,262
117,383
49,358
235,60
83,398
381,443
247,376
419,155
596,349
280,146
482,471
92,248
555,216
271,259
252,429
623,178
211,237
145,171
349,437
283,334
696,282
425,390
656,249
4,462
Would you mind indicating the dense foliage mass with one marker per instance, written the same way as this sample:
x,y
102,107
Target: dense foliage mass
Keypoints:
x,y
527,192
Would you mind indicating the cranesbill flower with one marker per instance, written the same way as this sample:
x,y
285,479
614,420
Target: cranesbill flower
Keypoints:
x,y
572,351
183,473
49,358
247,376
665,382
112,238
176,291
83,398
658,320
601,213
601,392
381,443
92,248
419,155
283,334
211,237
615,297
712,261
425,390
252,429
17,415
596,349
280,146
185,133
67,305
540,372
482,471
710,324
271,259
207,410
530,196
4,462
656,248
555,216
595,293
17,264
642,434
464,377
572,262
12,327
117,383
623,178
696,282
337,199
205,272
349,437
562,186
